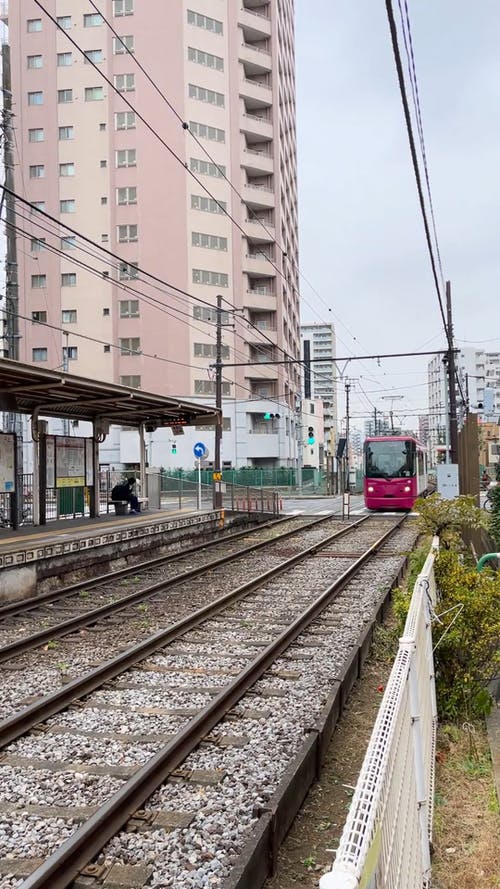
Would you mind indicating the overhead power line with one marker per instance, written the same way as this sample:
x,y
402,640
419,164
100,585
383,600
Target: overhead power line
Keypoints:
x,y
411,139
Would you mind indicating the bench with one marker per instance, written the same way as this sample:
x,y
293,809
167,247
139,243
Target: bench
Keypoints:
x,y
121,506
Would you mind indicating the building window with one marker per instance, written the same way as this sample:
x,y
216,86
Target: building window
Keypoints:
x,y
103,164
124,120
64,96
209,350
68,243
37,244
104,201
64,59
123,7
70,353
125,83
126,195
64,21
35,98
129,272
123,45
93,55
200,202
213,134
36,135
68,316
212,242
37,171
67,169
102,127
68,279
39,354
130,345
204,313
205,58
205,168
39,281
92,20
39,316
66,133
67,206
126,157
127,234
104,239
38,205
204,21
107,348
94,93
34,25
129,308
133,381
207,387
204,95
214,279
106,312
35,61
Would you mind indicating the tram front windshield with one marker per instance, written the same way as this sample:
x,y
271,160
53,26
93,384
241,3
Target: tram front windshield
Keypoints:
x,y
389,459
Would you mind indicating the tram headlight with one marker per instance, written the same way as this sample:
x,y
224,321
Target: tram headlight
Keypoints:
x,y
370,489
407,489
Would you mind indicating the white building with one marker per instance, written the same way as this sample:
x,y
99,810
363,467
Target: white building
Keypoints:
x,y
319,378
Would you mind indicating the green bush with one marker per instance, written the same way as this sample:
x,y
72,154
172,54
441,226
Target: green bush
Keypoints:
x,y
466,637
494,517
448,518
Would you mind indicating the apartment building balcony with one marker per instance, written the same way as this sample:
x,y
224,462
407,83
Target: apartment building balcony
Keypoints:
x,y
259,299
255,24
257,59
257,162
262,373
259,232
261,337
259,196
257,265
256,128
255,93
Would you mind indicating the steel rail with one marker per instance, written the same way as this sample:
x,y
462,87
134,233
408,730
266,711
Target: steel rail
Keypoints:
x,y
77,851
19,723
27,643
32,602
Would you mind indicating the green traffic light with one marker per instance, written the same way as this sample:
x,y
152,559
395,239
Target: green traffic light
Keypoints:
x,y
267,416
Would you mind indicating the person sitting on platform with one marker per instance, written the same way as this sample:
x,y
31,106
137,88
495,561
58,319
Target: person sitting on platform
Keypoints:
x,y
124,492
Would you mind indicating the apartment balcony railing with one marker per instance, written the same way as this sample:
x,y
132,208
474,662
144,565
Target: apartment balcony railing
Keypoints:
x,y
261,15
253,48
257,83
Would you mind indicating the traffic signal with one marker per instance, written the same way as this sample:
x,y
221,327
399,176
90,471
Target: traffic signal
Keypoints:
x,y
174,447
310,435
268,416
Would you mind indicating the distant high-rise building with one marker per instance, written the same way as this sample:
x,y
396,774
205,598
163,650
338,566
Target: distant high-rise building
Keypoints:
x,y
319,377
86,157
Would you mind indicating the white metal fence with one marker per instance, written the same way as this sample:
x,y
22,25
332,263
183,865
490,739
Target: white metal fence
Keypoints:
x,y
386,840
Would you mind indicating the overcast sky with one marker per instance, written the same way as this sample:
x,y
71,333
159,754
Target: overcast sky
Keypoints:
x,y
362,242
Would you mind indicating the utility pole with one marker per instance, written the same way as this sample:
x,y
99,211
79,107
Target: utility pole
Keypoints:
x,y
451,378
217,492
375,420
346,481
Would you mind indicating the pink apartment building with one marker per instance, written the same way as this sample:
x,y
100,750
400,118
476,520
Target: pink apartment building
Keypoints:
x,y
86,158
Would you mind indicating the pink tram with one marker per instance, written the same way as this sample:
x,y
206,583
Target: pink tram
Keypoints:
x,y
395,472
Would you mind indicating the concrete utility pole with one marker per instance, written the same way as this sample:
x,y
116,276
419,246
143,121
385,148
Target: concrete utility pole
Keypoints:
x,y
346,480
451,378
217,492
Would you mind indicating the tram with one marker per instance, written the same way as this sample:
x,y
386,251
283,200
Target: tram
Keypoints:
x,y
395,472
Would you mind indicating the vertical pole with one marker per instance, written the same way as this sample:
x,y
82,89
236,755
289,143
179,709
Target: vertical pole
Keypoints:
x,y
217,492
95,506
375,420
346,483
467,393
198,498
451,378
300,453
446,413
142,459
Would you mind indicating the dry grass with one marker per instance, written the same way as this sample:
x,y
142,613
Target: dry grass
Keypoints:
x,y
466,818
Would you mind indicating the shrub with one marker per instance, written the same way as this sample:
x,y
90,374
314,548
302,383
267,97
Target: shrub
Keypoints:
x,y
448,518
467,637
494,517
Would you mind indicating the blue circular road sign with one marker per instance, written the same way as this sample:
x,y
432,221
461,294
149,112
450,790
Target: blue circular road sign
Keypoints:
x,y
199,450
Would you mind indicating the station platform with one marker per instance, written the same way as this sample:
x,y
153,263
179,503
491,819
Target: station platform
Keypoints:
x,y
33,559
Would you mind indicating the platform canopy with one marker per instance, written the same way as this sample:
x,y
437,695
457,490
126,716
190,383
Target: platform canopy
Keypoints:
x,y
27,389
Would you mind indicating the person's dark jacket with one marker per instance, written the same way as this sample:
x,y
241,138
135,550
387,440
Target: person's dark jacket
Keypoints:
x,y
121,492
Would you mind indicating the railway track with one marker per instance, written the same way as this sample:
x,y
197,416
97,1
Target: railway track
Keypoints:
x,y
72,644
197,723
